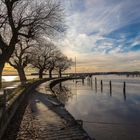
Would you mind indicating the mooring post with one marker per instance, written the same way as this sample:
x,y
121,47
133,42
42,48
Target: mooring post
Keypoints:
x,y
96,84
110,84
124,95
124,87
91,81
124,90
83,81
101,86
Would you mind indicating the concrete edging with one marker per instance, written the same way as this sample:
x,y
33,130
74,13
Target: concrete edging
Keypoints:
x,y
56,81
51,84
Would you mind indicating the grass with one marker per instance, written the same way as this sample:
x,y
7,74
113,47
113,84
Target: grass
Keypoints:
x,y
16,92
7,84
11,97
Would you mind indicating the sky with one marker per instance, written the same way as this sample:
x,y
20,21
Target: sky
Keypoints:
x,y
103,35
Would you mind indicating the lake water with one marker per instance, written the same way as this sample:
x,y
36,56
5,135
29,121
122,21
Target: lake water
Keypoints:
x,y
14,78
105,115
13,81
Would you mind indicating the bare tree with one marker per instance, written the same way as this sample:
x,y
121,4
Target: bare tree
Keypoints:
x,y
20,58
41,56
62,64
26,18
53,61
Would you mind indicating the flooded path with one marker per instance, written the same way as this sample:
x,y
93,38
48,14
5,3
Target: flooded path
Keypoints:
x,y
44,118
105,115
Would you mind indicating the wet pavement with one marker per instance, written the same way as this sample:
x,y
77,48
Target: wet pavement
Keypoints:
x,y
42,117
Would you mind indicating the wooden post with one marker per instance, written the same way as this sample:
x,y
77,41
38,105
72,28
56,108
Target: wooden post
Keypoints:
x,y
124,95
83,81
110,84
101,86
96,84
124,90
124,87
91,83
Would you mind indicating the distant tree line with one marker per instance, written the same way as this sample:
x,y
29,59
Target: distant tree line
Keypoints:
x,y
22,22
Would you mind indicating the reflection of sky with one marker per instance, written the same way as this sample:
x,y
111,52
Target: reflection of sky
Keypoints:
x,y
103,108
9,78
102,33
90,106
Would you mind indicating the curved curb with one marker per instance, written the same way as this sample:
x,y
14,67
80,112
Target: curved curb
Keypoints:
x,y
79,123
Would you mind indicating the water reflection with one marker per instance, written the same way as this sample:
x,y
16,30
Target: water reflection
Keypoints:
x,y
9,78
63,92
101,86
114,114
110,85
124,95
95,84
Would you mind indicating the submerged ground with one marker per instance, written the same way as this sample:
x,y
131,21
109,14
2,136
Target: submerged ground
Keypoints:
x,y
105,115
42,117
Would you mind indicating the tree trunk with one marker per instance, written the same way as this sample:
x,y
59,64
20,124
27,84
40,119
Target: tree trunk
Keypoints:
x,y
22,75
6,53
40,74
1,70
50,73
59,74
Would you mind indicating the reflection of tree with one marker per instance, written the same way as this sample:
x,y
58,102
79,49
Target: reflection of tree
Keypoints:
x,y
124,95
63,93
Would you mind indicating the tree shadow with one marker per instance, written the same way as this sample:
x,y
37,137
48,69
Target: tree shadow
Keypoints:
x,y
54,105
50,101
14,125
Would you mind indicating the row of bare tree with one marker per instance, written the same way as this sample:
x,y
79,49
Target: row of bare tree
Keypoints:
x,y
27,20
42,55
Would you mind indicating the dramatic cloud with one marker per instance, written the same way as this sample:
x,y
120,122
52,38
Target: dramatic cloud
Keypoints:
x,y
104,35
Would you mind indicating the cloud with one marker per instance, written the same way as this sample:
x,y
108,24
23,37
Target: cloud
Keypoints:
x,y
108,62
103,33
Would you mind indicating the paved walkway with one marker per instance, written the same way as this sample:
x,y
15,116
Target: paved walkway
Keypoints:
x,y
45,119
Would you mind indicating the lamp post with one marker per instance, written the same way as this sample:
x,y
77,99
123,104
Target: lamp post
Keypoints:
x,y
75,65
